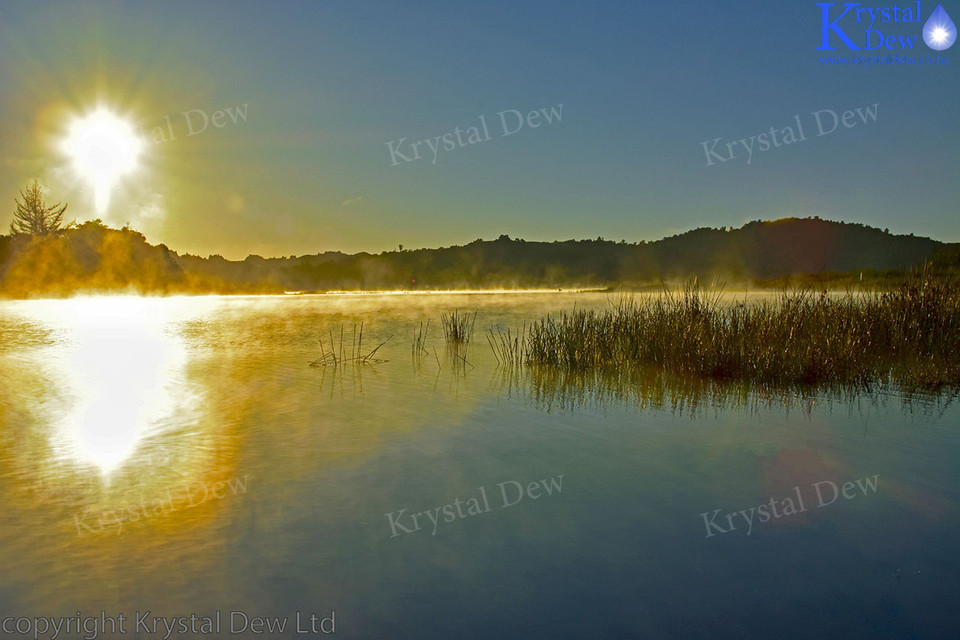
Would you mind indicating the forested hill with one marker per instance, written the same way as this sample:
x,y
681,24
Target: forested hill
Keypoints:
x,y
93,257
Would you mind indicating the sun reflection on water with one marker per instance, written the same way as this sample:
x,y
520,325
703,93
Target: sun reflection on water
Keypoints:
x,y
124,379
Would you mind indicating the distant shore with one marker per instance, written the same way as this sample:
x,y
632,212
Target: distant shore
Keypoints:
x,y
810,253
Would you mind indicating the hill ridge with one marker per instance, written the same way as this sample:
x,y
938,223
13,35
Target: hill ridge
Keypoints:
x,y
94,257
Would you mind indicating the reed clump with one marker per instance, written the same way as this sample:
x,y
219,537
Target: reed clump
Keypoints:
x,y
908,337
341,353
509,347
458,327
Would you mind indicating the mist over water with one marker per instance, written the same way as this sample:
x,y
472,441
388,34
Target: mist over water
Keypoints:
x,y
189,438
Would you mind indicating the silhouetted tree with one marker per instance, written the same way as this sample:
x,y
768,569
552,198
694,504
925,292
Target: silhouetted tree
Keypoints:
x,y
33,217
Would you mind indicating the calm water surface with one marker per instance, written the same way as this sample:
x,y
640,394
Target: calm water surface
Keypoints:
x,y
179,456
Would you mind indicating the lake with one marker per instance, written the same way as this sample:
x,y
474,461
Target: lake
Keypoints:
x,y
176,461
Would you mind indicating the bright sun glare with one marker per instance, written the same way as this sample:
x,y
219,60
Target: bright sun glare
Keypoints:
x,y
124,376
104,148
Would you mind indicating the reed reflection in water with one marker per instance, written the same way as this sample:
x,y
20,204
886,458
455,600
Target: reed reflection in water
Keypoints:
x,y
554,389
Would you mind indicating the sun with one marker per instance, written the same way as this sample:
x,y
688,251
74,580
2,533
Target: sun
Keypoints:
x,y
104,147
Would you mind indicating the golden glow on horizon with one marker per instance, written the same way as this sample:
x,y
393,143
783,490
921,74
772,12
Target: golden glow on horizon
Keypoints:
x,y
104,148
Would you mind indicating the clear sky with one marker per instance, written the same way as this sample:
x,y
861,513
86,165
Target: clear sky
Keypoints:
x,y
326,89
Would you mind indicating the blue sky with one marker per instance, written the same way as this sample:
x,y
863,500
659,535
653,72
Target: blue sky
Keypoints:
x,y
328,85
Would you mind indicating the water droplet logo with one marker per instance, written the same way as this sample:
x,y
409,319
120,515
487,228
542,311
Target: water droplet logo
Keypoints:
x,y
939,32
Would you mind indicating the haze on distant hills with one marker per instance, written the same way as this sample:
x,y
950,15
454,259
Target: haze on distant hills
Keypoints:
x,y
94,258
